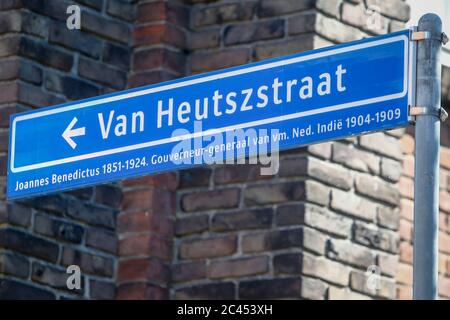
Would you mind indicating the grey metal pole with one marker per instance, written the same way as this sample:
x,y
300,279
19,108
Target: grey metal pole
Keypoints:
x,y
426,181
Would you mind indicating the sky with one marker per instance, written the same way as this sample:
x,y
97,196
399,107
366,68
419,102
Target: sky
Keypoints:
x,y
440,7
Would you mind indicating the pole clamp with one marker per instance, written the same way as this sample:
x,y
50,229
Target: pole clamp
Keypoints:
x,y
423,35
420,111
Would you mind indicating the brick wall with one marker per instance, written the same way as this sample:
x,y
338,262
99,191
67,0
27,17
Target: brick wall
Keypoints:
x,y
404,272
146,224
43,63
309,232
332,210
444,222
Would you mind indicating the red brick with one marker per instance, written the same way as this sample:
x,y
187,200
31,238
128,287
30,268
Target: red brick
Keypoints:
x,y
157,58
442,263
15,290
444,242
162,11
445,130
3,165
443,179
149,77
255,242
266,289
4,140
14,265
408,166
270,8
7,111
108,195
284,192
28,244
89,263
406,187
79,41
183,272
89,212
150,59
102,73
404,274
226,12
405,230
215,291
444,201
53,277
8,92
406,252
448,267
141,291
9,69
404,292
143,270
253,31
102,239
35,96
388,264
378,189
145,222
444,221
445,158
239,220
208,248
56,228
191,224
114,29
158,34
101,290
407,144
407,209
46,54
238,173
11,4
150,199
238,267
382,144
164,180
145,245
10,46
272,49
153,11
117,55
274,240
195,177
225,198
204,39
444,287
207,61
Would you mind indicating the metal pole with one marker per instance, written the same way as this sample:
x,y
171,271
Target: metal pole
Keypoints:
x,y
427,141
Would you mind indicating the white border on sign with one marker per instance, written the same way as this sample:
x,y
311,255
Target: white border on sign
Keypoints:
x,y
206,79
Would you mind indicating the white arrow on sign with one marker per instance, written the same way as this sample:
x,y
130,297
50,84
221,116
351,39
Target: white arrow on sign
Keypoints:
x,y
69,133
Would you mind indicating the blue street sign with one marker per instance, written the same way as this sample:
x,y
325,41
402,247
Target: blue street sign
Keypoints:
x,y
301,99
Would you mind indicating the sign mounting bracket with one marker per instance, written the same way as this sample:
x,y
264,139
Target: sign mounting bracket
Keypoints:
x,y
420,111
423,35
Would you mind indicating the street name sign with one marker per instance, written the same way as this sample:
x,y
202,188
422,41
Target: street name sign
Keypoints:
x,y
310,97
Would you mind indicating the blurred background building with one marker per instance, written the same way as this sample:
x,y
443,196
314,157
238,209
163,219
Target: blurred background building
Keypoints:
x,y
334,213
